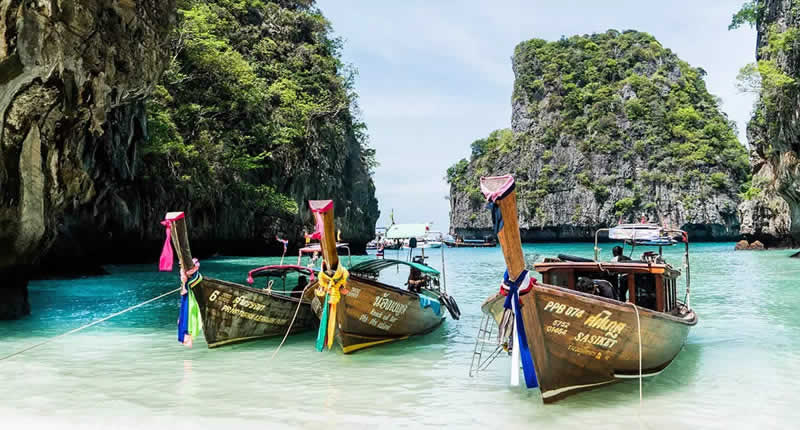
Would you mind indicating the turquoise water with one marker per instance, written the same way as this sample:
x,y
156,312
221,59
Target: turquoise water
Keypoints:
x,y
739,369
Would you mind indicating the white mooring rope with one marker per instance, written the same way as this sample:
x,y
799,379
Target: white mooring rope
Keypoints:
x,y
88,325
639,330
289,330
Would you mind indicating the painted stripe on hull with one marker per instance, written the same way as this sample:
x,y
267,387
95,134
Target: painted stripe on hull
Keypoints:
x,y
551,393
644,375
351,348
238,339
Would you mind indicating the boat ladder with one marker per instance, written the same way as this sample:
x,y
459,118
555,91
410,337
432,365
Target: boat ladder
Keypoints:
x,y
484,338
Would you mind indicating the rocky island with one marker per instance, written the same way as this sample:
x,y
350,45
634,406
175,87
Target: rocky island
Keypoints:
x,y
607,127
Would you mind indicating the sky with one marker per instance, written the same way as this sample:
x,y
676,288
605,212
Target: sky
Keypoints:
x,y
433,76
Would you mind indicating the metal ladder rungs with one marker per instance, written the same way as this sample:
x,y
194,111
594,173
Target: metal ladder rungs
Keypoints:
x,y
483,338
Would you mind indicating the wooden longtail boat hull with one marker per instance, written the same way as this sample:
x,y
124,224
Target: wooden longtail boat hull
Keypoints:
x,y
581,341
234,313
372,314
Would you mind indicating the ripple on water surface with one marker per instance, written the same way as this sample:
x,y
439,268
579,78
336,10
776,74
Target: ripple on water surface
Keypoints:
x,y
738,369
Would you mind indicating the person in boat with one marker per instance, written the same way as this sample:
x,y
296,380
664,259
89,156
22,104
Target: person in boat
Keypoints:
x,y
597,287
618,255
379,252
415,280
302,282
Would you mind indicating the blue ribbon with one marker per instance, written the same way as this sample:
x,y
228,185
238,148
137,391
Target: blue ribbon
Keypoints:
x,y
183,317
497,216
522,339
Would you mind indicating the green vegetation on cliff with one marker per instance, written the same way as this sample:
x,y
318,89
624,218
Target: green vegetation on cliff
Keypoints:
x,y
254,104
771,212
603,81
621,118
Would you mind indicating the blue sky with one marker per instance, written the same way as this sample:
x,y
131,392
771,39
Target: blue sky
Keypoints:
x,y
436,75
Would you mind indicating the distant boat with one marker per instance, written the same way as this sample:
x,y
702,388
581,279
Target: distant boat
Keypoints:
x,y
423,237
590,322
470,243
433,239
370,312
232,312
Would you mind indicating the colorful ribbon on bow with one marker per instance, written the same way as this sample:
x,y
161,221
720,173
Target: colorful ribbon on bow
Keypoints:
x,y
512,305
493,196
165,262
332,287
189,317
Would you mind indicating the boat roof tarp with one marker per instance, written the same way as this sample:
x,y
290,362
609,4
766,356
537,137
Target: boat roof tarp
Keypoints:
x,y
641,234
375,266
635,232
405,231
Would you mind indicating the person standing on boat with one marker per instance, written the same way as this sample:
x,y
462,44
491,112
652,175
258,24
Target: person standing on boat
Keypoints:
x,y
618,255
415,280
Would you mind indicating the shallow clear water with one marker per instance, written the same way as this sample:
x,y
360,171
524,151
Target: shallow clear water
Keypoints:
x,y
739,369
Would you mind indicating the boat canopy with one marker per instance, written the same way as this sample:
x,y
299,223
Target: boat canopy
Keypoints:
x,y
406,231
375,266
642,234
278,271
637,232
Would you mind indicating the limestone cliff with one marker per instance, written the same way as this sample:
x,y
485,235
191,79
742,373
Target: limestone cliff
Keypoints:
x,y
73,76
116,111
607,127
772,213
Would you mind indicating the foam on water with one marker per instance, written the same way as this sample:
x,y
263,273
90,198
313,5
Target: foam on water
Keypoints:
x,y
739,368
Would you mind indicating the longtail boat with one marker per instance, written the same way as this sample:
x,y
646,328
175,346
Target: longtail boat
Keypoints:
x,y
589,323
357,310
231,312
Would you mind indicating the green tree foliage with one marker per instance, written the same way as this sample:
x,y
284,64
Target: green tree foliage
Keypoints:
x,y
254,102
747,14
596,80
498,142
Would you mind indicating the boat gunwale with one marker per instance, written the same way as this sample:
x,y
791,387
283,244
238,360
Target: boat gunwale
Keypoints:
x,y
620,306
632,266
260,291
379,284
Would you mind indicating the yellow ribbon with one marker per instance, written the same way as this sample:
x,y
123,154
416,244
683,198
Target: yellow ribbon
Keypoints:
x,y
334,286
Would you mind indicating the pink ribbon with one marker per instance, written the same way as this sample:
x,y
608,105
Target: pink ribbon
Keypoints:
x,y
165,262
493,195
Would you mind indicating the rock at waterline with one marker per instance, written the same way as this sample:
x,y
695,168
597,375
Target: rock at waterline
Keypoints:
x,y
743,245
